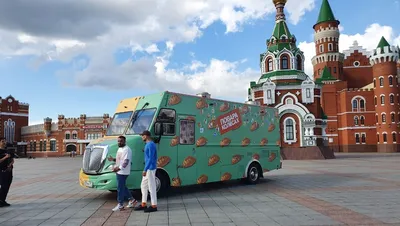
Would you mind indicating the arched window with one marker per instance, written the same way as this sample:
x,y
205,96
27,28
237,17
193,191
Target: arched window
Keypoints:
x,y
391,98
299,63
390,80
384,137
374,83
383,118
381,82
394,136
67,135
362,105
270,68
362,120
376,118
392,117
9,130
355,105
356,120
289,101
375,100
289,129
285,62
53,146
382,99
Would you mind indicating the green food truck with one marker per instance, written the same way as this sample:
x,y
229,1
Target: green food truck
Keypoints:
x,y
199,140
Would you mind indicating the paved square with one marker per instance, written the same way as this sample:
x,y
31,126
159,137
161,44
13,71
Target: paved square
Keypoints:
x,y
354,189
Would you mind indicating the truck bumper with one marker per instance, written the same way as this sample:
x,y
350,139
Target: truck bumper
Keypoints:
x,y
107,181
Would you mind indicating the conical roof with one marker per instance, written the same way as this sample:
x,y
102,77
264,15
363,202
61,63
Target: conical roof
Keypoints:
x,y
382,43
326,13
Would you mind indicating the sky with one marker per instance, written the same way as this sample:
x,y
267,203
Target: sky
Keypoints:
x,y
82,57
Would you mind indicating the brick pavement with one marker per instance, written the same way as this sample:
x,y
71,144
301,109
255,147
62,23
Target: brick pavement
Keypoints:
x,y
354,189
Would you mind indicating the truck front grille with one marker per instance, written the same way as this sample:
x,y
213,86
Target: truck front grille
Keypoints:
x,y
92,162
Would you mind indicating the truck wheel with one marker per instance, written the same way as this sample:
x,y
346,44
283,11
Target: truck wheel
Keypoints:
x,y
162,183
253,173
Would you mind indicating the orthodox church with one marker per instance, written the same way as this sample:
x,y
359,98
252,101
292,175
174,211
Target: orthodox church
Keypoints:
x,y
351,104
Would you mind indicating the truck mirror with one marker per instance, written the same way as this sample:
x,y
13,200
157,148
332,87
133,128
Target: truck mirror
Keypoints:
x,y
157,128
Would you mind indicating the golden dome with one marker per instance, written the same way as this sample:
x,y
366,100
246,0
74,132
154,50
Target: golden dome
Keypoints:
x,y
279,1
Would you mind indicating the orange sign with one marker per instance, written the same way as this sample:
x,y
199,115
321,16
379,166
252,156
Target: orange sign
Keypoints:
x,y
229,121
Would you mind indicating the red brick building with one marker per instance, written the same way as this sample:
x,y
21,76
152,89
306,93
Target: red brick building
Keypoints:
x,y
350,105
13,116
62,137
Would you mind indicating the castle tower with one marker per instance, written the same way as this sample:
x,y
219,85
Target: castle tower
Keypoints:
x,y
326,38
47,126
283,60
384,66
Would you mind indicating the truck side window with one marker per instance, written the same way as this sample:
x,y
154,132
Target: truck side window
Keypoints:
x,y
168,129
186,133
166,115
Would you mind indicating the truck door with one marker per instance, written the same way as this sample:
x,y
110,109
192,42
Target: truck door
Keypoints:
x,y
187,160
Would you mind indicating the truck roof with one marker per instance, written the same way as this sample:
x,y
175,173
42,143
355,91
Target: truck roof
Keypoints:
x,y
130,104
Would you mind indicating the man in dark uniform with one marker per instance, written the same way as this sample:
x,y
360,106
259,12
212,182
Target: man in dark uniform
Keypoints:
x,y
6,176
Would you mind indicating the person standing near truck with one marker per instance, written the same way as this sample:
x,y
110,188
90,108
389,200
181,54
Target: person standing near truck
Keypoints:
x,y
6,171
122,168
149,174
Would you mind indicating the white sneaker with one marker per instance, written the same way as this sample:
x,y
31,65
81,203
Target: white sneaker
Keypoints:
x,y
132,203
118,208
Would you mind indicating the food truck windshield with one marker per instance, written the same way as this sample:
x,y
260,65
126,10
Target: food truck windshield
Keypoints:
x,y
136,124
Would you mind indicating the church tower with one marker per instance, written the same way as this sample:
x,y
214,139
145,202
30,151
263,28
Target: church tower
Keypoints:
x,y
326,38
384,66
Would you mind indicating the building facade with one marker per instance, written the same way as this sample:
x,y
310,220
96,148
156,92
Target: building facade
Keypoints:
x,y
64,136
13,116
351,103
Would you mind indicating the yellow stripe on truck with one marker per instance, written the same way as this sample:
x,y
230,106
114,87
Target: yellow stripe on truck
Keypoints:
x,y
82,178
128,104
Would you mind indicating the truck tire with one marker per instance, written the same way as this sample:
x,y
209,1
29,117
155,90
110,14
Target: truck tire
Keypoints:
x,y
253,173
162,182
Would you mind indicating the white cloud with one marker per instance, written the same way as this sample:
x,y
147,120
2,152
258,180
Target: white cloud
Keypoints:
x,y
298,9
89,24
98,29
23,38
309,51
196,65
152,48
153,74
368,40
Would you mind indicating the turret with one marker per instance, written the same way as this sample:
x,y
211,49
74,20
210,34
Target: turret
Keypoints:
x,y
47,126
282,53
384,66
326,39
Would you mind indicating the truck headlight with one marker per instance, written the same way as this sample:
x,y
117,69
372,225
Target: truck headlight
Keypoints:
x,y
110,167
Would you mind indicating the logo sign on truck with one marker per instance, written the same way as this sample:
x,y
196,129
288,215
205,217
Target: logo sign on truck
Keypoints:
x,y
229,121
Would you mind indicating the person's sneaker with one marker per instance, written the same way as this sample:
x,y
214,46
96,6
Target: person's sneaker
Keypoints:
x,y
140,207
118,208
150,209
4,204
132,203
